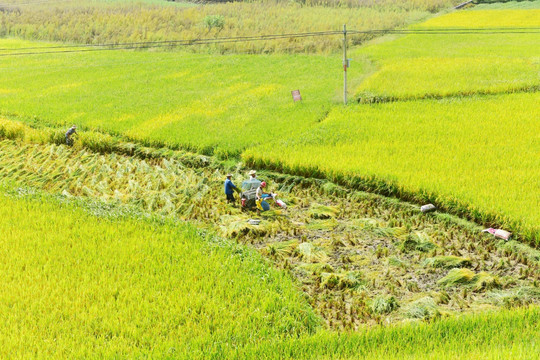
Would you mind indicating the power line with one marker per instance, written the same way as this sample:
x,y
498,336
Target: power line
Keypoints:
x,y
277,36
459,29
158,44
173,42
451,31
208,41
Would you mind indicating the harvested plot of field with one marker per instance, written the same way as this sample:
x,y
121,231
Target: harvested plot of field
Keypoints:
x,y
477,157
360,259
113,282
440,65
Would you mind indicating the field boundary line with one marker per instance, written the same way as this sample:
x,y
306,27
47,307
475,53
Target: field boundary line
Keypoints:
x,y
371,98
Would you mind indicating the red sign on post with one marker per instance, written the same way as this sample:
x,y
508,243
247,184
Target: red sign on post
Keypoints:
x,y
296,95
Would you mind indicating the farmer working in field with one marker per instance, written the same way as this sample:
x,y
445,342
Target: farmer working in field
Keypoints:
x,y
251,183
252,175
72,130
261,195
229,189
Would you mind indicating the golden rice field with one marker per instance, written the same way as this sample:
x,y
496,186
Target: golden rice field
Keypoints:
x,y
328,248
206,103
128,288
77,286
435,66
221,118
477,157
100,257
169,308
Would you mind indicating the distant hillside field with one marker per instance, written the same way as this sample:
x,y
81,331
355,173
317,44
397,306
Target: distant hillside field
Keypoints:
x,y
93,22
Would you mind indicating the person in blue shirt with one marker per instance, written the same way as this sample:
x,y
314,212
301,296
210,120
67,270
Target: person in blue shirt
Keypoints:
x,y
229,189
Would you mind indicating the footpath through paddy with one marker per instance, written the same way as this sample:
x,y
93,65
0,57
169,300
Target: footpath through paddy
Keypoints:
x,y
359,258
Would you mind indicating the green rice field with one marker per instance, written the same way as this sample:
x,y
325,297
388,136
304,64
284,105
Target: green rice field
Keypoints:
x,y
124,246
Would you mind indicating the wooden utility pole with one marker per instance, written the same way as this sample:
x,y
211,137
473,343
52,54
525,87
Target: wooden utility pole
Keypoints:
x,y
345,64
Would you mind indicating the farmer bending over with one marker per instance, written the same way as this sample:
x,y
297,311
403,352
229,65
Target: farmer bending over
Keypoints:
x,y
72,130
261,195
229,189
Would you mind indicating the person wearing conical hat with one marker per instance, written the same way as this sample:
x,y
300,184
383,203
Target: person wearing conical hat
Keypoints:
x,y
252,175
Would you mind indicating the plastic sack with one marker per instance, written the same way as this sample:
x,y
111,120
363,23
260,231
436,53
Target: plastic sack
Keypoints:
x,y
281,204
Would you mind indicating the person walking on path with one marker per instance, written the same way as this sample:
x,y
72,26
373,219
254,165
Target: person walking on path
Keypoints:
x,y
72,130
230,188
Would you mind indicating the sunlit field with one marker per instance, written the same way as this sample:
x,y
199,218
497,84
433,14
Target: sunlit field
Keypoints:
x,y
78,286
439,65
474,156
124,246
207,103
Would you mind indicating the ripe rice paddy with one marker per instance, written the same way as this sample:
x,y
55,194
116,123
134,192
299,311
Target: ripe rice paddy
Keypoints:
x,y
207,103
336,243
359,259
338,256
440,65
227,104
480,163
75,286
